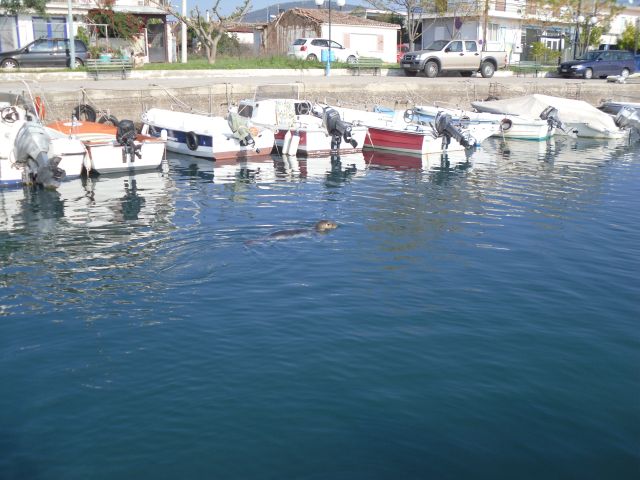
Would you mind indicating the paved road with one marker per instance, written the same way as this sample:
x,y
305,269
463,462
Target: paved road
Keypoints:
x,y
60,82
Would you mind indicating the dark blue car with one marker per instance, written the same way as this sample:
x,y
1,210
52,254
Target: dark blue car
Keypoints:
x,y
599,64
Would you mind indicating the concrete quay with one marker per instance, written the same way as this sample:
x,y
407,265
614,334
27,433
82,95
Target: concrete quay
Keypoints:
x,y
214,90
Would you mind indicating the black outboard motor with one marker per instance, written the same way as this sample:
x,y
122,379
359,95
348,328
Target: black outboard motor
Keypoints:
x,y
443,127
126,136
337,128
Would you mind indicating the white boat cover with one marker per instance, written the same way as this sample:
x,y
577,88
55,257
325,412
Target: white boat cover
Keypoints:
x,y
569,111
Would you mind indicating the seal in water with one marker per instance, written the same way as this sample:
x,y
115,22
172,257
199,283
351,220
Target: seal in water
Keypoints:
x,y
323,226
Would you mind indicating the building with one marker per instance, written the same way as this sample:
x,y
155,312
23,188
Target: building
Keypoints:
x,y
18,30
516,25
369,38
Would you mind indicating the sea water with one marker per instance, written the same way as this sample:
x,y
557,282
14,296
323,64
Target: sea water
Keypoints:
x,y
471,317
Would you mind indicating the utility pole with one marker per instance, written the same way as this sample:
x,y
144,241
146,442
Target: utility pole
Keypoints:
x,y
484,25
183,32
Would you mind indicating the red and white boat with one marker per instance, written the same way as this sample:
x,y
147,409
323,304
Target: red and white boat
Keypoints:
x,y
419,139
113,149
298,131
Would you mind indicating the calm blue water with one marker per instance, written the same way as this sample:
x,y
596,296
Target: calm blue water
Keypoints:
x,y
477,321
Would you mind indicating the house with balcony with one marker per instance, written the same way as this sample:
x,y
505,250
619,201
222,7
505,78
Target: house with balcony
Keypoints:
x,y
516,25
19,30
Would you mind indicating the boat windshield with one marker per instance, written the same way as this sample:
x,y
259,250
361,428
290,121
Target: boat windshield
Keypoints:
x,y
437,45
589,56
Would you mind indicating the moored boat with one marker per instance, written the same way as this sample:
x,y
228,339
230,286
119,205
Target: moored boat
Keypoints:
x,y
113,149
507,126
215,138
301,127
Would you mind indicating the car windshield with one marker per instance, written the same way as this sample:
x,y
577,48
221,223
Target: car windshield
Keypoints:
x,y
437,45
590,56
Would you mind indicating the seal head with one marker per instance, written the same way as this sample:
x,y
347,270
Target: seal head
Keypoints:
x,y
324,226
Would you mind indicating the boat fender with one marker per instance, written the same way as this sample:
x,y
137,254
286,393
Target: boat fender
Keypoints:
x,y
286,142
505,125
408,115
40,110
293,145
192,141
85,112
109,120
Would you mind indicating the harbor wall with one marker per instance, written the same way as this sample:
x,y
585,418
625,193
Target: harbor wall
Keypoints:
x,y
214,95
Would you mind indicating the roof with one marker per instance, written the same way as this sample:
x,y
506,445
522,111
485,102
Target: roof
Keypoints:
x,y
139,9
321,15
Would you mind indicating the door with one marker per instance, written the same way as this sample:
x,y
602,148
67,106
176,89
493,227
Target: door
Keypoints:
x,y
453,55
40,54
156,39
472,55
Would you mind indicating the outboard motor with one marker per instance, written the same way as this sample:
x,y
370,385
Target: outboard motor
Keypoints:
x,y
126,136
337,128
628,117
550,114
443,127
31,149
240,129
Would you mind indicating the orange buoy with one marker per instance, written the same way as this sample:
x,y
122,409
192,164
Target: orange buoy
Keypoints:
x,y
40,110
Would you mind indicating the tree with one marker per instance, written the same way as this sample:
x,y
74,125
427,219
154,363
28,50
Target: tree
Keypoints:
x,y
14,7
411,8
629,37
211,27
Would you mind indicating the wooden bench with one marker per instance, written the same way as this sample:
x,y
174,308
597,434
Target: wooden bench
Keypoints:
x,y
366,63
96,66
525,67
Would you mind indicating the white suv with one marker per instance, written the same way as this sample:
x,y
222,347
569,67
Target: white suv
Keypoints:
x,y
311,49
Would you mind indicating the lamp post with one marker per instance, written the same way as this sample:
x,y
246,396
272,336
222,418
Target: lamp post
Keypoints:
x,y
579,20
592,22
72,37
319,3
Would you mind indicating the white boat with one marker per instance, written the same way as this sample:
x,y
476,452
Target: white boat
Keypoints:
x,y
507,126
215,138
31,154
441,135
113,149
578,117
301,127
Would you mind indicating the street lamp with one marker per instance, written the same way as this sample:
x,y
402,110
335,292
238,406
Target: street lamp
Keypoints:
x,y
319,3
592,22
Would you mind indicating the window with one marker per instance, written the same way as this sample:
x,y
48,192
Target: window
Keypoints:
x,y
319,43
335,44
471,46
300,41
455,47
42,46
8,33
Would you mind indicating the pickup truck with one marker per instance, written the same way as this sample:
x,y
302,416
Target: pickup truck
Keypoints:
x,y
464,56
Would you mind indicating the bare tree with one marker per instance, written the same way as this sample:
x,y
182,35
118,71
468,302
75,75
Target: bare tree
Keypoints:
x,y
411,9
209,28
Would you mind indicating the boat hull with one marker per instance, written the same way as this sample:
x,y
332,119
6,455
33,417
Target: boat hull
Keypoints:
x,y
204,136
317,142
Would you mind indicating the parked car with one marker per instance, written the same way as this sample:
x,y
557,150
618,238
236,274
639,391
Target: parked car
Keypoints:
x,y
44,52
311,49
599,63
464,56
402,49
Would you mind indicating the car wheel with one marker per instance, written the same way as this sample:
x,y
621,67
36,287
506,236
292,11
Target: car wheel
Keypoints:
x,y
351,59
625,73
312,58
9,63
410,73
79,63
588,74
487,69
431,69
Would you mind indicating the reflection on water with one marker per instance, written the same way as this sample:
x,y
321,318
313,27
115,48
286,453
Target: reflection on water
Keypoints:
x,y
502,285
